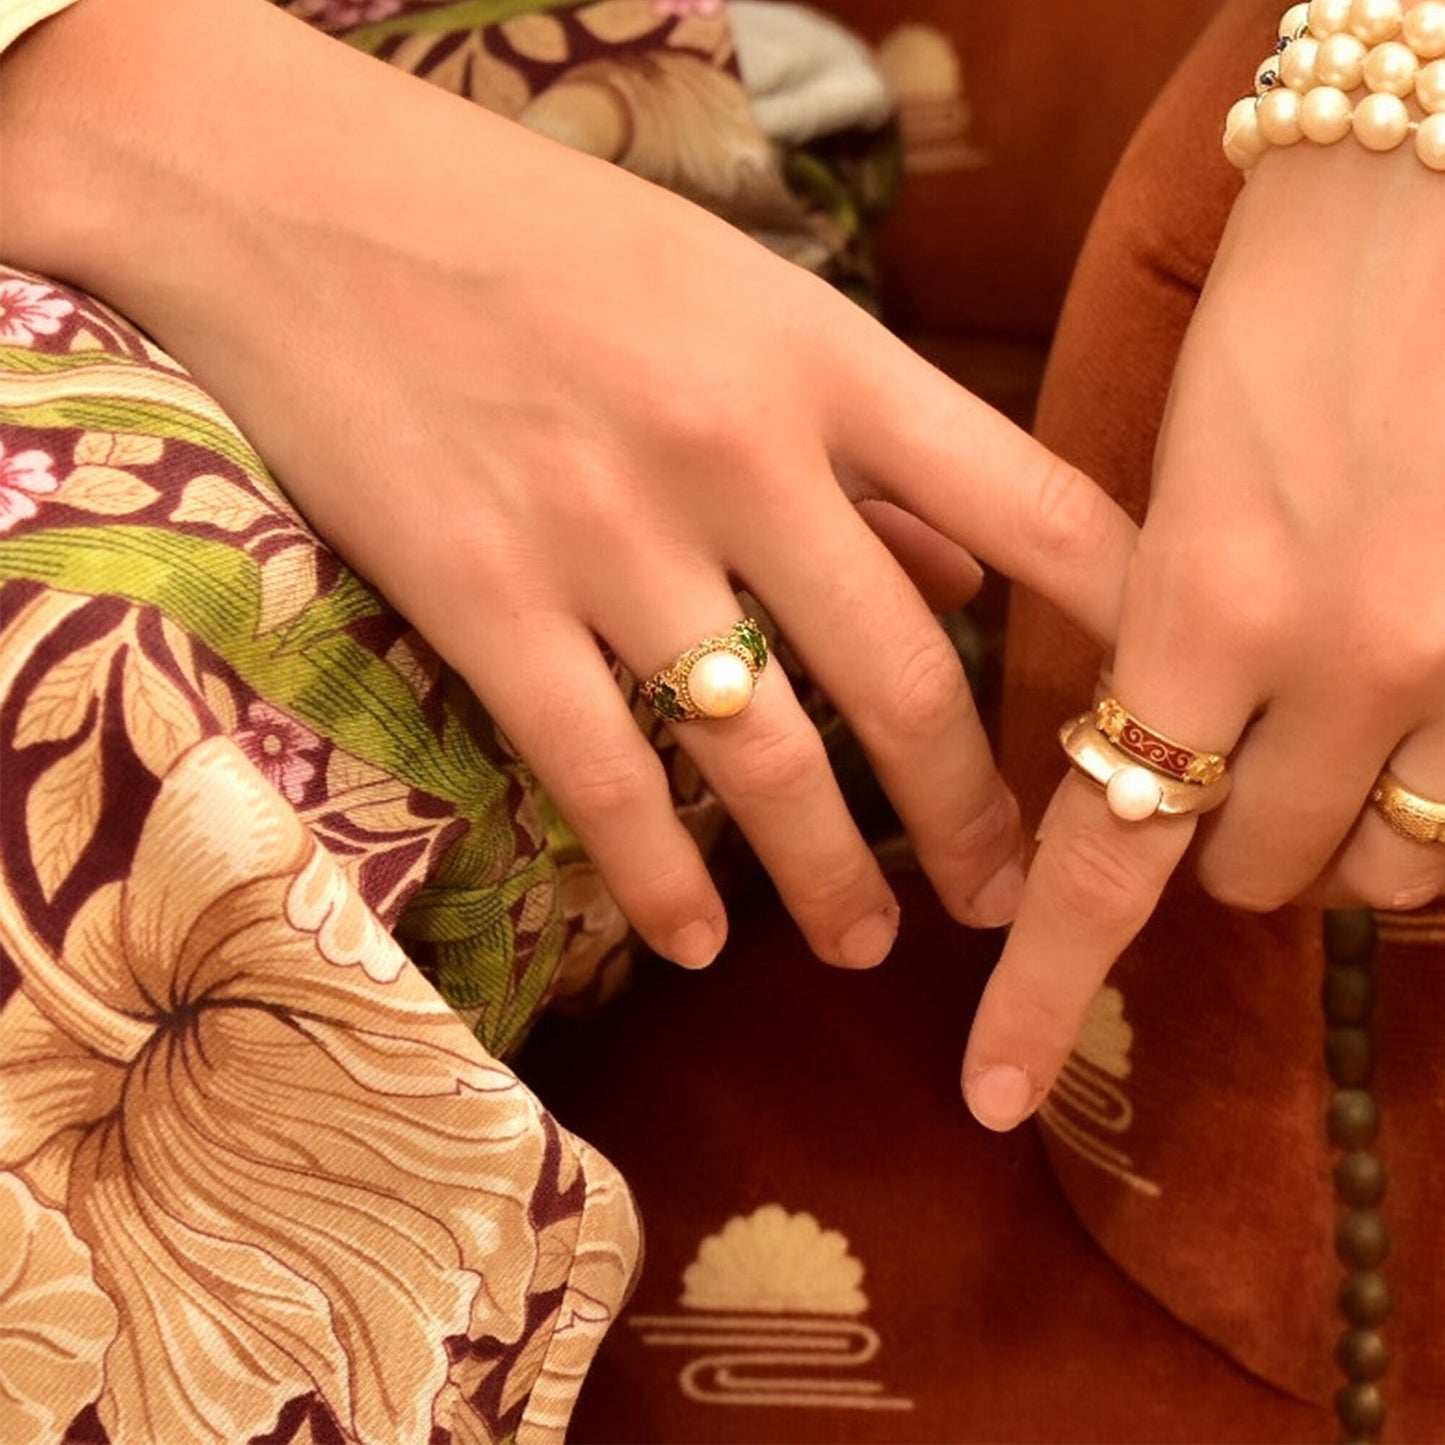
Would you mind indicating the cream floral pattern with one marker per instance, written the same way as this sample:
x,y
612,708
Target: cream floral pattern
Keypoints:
x,y
54,1324
1090,1111
292,1175
257,1179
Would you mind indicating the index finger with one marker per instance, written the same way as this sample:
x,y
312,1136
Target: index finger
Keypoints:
x,y
906,432
1093,884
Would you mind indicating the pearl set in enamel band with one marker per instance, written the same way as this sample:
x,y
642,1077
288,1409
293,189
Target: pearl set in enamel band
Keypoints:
x,y
1367,68
1142,772
715,679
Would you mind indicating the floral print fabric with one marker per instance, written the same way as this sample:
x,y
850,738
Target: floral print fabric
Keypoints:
x,y
257,1180
275,899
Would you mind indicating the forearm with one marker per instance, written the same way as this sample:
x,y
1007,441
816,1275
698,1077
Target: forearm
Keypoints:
x,y
177,160
1367,205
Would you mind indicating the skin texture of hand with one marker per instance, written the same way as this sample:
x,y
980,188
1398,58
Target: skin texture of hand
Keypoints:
x,y
542,405
1286,603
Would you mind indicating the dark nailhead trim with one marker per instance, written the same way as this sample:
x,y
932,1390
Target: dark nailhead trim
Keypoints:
x,y
1363,1355
1354,1119
1360,1179
1361,1239
1350,936
1365,1299
1361,1409
1349,995
1350,1055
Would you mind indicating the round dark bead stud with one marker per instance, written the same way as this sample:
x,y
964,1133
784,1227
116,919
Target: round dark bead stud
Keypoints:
x,y
1350,1055
1361,1239
1361,1410
1349,935
1354,1119
1360,1179
1349,995
1362,1354
1365,1299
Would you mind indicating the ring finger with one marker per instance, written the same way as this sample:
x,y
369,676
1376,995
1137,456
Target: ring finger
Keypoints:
x,y
866,636
1379,866
768,766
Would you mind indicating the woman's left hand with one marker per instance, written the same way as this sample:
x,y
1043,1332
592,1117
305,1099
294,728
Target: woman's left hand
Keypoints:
x,y
1285,605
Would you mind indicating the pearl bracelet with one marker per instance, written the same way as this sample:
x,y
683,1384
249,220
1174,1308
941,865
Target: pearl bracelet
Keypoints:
x,y
1369,68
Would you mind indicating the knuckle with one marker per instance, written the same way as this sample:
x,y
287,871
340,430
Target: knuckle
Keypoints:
x,y
1413,661
1047,1019
1250,616
1242,593
608,785
1095,882
710,420
932,689
667,899
837,889
776,764
988,833
1068,512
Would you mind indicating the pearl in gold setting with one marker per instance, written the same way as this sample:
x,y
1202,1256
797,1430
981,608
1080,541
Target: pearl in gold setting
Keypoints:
x,y
1133,794
1325,115
1425,29
1392,68
720,684
1381,122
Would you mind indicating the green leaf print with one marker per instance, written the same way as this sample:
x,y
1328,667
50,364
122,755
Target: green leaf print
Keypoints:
x,y
315,670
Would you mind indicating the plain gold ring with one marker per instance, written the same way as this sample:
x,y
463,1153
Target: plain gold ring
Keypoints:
x,y
1419,819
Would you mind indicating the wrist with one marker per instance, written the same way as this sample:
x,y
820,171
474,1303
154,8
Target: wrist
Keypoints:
x,y
185,161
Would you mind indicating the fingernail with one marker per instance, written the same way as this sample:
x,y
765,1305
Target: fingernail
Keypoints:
x,y
1000,1097
998,900
868,941
695,945
1415,897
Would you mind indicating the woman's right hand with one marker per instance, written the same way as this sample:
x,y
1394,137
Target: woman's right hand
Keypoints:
x,y
541,404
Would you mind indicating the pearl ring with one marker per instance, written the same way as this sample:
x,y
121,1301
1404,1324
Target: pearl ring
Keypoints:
x,y
1142,772
715,679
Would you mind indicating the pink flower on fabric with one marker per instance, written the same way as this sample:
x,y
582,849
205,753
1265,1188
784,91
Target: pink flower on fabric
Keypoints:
x,y
342,14
23,477
683,8
280,747
28,310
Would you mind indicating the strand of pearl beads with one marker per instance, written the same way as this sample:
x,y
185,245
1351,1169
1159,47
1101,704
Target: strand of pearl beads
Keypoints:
x,y
1348,67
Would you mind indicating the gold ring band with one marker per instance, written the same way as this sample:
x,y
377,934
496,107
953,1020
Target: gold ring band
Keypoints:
x,y
1419,819
1135,790
715,679
1154,750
